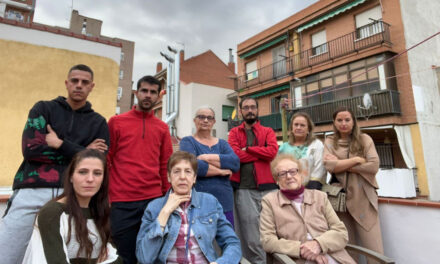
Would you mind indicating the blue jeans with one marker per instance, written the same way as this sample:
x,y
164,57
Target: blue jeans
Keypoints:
x,y
17,225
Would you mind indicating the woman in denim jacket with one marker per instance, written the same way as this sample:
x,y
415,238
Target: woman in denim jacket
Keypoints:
x,y
181,226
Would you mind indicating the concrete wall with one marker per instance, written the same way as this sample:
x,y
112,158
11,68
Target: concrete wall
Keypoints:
x,y
33,67
410,233
417,15
194,95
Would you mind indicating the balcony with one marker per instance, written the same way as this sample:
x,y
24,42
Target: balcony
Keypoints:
x,y
385,102
376,33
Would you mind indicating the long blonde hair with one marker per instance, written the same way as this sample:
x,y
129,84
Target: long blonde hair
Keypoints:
x,y
356,143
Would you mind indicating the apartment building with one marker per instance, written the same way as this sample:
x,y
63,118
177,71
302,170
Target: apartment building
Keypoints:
x,y
18,10
205,80
347,52
92,27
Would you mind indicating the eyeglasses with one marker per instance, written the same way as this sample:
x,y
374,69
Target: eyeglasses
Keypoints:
x,y
203,117
283,174
249,107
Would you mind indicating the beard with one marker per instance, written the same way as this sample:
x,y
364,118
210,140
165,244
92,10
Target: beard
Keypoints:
x,y
250,118
146,106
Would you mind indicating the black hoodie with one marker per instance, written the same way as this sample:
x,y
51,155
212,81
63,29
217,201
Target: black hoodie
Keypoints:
x,y
43,166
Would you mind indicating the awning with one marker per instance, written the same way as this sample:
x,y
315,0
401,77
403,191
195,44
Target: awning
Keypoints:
x,y
264,46
330,15
271,91
227,112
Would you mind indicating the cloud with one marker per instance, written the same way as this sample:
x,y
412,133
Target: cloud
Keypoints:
x,y
198,24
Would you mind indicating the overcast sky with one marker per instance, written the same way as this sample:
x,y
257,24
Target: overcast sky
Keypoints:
x,y
199,25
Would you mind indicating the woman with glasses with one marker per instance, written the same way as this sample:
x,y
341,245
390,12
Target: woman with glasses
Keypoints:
x,y
216,160
299,222
181,226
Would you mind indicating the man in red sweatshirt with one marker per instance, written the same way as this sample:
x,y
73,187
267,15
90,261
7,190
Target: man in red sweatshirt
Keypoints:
x,y
140,146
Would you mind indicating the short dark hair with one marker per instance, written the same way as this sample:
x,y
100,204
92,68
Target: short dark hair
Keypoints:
x,y
151,80
248,98
81,67
178,156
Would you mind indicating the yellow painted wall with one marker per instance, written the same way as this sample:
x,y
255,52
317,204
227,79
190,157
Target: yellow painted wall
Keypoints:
x,y
30,73
419,159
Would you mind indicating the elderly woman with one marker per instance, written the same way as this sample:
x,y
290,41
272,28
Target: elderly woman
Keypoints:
x,y
305,147
216,160
351,156
298,222
181,226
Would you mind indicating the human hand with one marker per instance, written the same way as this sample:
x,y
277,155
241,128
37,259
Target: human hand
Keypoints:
x,y
213,262
321,259
98,144
310,250
330,157
360,160
244,149
226,172
52,139
174,200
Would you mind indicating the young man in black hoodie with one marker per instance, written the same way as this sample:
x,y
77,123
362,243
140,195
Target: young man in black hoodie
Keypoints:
x,y
55,131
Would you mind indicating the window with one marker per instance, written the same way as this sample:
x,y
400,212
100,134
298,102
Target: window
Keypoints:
x,y
342,82
119,93
122,56
251,70
279,61
369,23
84,27
319,43
276,103
118,110
15,15
121,74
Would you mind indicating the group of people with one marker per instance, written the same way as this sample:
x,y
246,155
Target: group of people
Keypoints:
x,y
92,192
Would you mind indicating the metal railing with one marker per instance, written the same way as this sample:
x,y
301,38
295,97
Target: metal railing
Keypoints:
x,y
364,37
385,102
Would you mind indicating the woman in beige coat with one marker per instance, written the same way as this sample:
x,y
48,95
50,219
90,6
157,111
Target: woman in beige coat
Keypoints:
x,y
298,222
352,158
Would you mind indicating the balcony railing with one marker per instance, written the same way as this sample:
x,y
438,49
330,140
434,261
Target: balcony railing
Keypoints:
x,y
385,102
364,37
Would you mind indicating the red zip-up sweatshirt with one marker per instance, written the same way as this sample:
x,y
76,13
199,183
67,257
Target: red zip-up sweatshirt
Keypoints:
x,y
140,146
262,152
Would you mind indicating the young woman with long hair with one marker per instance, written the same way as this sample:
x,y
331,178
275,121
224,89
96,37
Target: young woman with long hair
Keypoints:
x,y
352,158
74,227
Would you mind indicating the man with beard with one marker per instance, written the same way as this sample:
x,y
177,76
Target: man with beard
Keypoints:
x,y
54,132
256,146
140,145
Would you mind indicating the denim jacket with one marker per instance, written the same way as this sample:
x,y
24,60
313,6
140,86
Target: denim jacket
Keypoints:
x,y
208,223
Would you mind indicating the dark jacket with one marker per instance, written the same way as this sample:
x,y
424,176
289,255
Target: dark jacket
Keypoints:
x,y
262,152
43,166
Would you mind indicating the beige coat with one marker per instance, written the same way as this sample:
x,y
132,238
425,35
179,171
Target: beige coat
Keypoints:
x,y
361,192
283,229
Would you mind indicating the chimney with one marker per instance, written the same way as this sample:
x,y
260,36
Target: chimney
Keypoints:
x,y
231,64
182,56
158,67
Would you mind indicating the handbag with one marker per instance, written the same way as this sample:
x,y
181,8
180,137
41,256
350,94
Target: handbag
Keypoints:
x,y
336,196
336,193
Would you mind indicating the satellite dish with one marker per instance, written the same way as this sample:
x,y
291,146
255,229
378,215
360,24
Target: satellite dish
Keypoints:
x,y
366,101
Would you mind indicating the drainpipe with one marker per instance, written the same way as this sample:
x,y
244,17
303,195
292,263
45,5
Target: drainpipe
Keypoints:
x,y
173,84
